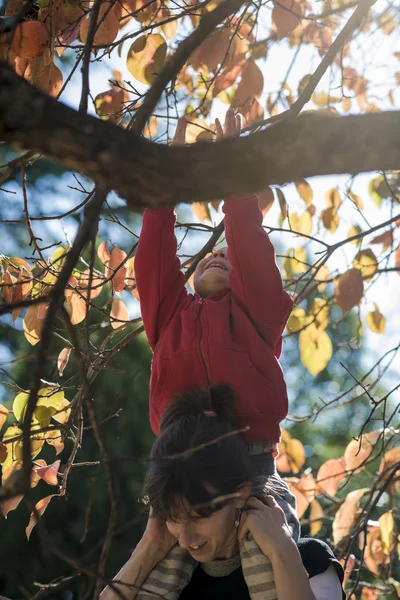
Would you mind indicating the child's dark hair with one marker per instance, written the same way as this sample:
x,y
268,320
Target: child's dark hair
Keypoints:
x,y
197,480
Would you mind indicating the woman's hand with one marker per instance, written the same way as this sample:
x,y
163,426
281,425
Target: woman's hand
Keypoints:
x,y
267,524
232,126
157,536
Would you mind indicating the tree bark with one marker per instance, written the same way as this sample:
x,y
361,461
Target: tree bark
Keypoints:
x,y
149,174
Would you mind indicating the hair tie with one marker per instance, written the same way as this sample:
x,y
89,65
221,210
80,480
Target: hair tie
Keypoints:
x,y
209,413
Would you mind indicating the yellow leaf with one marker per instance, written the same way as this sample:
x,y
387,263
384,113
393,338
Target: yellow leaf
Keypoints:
x,y
357,200
315,521
302,223
146,57
354,230
54,438
387,528
295,262
332,198
315,353
320,313
296,320
376,321
305,191
201,211
367,263
296,455
62,360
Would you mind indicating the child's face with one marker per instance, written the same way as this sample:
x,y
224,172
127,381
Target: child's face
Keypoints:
x,y
212,273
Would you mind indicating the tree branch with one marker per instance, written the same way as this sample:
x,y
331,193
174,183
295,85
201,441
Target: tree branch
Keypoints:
x,y
149,174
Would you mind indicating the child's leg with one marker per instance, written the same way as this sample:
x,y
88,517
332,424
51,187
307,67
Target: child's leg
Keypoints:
x,y
266,480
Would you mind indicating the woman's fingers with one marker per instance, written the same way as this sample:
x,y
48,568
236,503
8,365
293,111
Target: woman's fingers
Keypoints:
x,y
219,130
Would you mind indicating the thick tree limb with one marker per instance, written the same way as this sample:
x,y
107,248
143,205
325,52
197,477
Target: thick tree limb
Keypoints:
x,y
149,174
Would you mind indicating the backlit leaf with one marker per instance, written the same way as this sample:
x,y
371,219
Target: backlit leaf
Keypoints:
x,y
40,508
282,203
49,472
201,211
291,456
376,321
387,529
296,320
103,253
10,504
367,262
330,219
315,352
295,262
346,515
54,438
316,522
285,16
354,230
146,57
302,223
330,474
385,238
332,198
119,312
358,451
115,270
305,191
62,360
349,289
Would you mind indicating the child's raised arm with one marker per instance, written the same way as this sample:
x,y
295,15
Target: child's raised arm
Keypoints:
x,y
159,279
255,278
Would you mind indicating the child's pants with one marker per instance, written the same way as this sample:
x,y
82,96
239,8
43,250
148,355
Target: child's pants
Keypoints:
x,y
266,479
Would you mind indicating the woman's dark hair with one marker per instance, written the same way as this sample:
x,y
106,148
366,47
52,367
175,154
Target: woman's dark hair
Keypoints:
x,y
211,463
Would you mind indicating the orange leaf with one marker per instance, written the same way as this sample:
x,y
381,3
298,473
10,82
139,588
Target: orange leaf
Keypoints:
x,y
103,253
301,499
284,16
385,238
358,451
32,325
251,84
62,360
349,289
346,515
40,508
329,476
10,504
117,272
120,312
49,472
265,200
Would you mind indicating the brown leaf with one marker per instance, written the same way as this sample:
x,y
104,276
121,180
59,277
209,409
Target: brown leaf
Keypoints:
x,y
3,415
120,312
40,508
330,474
332,198
346,515
330,219
349,289
250,86
282,203
3,452
265,200
62,360
202,211
385,238
305,191
10,504
103,253
49,472
284,16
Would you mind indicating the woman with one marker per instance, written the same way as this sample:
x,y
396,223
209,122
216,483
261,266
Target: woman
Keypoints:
x,y
235,541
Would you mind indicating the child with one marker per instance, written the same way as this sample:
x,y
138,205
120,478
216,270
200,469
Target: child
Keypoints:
x,y
229,331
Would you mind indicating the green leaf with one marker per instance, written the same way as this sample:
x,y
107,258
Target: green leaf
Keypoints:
x,y
146,57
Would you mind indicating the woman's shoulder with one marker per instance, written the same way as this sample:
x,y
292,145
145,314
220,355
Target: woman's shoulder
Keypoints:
x,y
317,557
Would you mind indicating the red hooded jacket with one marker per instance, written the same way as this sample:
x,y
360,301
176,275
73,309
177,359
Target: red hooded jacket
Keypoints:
x,y
233,336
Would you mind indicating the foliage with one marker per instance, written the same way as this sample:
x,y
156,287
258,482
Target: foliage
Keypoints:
x,y
340,242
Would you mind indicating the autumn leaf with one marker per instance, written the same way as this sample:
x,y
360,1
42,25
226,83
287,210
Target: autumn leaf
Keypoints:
x,y
301,224
116,269
146,57
103,252
315,517
265,200
349,289
295,262
119,312
346,515
303,489
54,438
385,238
332,198
376,321
3,452
40,507
330,219
250,86
285,16
296,320
282,203
201,211
62,360
387,529
330,474
291,456
359,450
367,263
305,191
49,472
315,350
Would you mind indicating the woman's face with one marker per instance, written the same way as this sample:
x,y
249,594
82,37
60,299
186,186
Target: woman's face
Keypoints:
x,y
207,538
